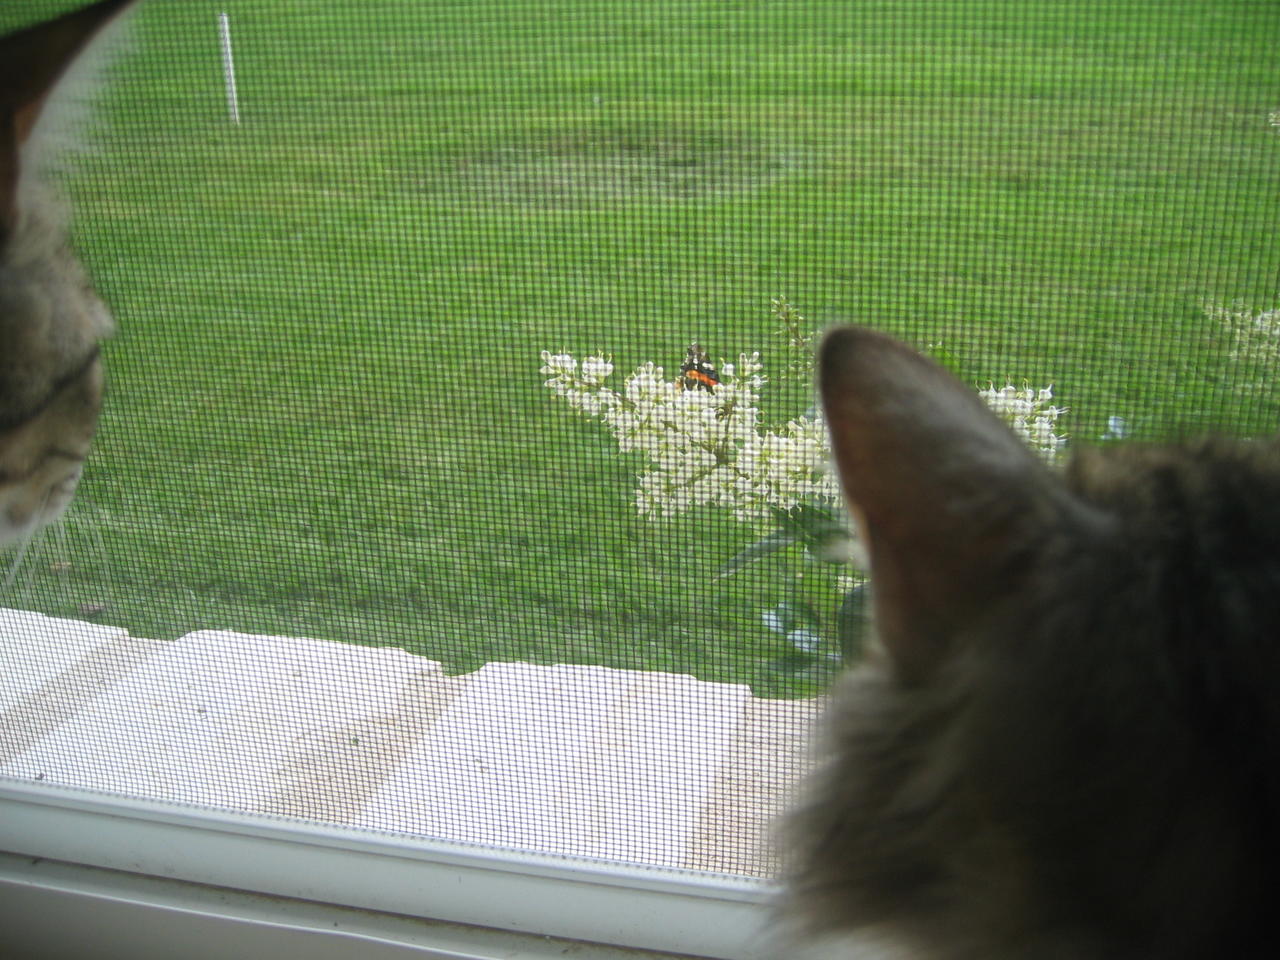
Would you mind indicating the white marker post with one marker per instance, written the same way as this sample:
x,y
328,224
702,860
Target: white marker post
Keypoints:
x,y
229,67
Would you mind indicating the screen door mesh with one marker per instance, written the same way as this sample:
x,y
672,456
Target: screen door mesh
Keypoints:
x,y
367,536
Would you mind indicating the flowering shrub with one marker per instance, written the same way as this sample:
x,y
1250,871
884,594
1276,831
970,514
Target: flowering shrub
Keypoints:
x,y
707,448
1255,337
704,445
1030,414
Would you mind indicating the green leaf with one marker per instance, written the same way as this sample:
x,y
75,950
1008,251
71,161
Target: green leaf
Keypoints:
x,y
824,531
761,548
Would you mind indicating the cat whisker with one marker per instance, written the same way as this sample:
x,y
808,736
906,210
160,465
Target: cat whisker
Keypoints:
x,y
24,544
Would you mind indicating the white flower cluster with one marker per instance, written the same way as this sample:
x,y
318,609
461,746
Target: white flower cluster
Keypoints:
x,y
704,447
1031,415
1254,336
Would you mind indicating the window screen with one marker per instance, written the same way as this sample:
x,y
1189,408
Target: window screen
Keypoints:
x,y
458,474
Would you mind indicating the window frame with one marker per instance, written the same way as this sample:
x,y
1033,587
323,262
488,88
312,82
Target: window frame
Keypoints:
x,y
384,875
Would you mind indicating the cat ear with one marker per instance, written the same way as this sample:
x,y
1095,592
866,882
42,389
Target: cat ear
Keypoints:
x,y
31,63
946,498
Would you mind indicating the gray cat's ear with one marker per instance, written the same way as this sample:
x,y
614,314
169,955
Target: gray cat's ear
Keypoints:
x,y
31,63
946,498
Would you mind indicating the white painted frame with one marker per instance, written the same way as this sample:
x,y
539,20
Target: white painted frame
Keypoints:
x,y
231,884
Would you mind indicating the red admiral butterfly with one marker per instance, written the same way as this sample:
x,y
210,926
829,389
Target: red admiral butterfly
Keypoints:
x,y
697,370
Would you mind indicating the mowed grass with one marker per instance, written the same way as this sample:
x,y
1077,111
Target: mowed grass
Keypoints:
x,y
325,413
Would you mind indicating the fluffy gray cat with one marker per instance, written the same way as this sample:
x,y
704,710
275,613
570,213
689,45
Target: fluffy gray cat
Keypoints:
x,y
51,321
1067,742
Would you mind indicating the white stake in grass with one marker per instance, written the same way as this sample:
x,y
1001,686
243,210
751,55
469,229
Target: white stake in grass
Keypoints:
x,y
229,67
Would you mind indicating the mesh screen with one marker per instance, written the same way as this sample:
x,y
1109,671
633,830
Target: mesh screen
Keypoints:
x,y
341,553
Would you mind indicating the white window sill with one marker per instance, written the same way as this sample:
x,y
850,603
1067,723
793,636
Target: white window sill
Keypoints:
x,y
213,724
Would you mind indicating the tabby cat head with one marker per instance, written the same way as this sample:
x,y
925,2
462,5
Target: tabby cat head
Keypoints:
x,y
1067,744
50,319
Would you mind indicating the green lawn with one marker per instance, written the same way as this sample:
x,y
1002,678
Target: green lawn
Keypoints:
x,y
325,415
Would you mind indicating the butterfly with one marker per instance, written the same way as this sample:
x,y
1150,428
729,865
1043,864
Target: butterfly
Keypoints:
x,y
697,370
